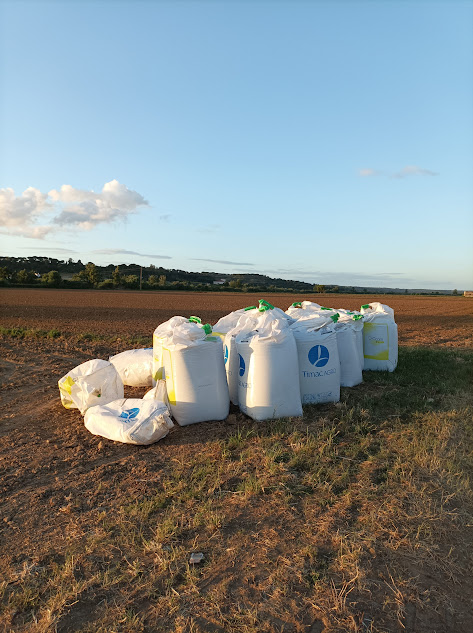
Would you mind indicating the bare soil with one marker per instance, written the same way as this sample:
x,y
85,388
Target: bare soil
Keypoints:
x,y
59,484
446,321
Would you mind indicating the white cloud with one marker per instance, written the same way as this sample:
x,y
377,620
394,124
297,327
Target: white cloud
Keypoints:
x,y
413,170
121,251
86,209
367,172
83,209
19,214
409,170
221,261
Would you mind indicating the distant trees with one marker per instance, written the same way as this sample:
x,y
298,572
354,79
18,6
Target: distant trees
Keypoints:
x,y
131,281
89,275
53,278
116,277
320,288
455,291
25,277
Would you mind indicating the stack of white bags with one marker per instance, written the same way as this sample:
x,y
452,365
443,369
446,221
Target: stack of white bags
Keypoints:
x,y
266,361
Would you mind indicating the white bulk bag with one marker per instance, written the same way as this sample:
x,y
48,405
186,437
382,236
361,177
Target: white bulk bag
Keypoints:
x,y
355,321
380,345
195,375
319,364
130,420
159,335
93,382
230,358
135,367
299,307
268,385
348,351
229,321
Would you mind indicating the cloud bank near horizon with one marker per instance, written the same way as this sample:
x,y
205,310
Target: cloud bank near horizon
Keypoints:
x,y
121,251
28,214
409,170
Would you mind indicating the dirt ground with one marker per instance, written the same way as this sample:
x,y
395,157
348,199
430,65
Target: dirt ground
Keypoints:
x,y
56,478
422,320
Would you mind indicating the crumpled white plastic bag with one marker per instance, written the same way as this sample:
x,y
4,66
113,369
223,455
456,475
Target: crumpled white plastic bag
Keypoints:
x,y
93,382
130,420
135,367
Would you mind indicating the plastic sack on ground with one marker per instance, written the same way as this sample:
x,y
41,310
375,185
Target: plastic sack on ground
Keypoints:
x,y
380,344
319,363
195,374
130,420
159,335
135,367
94,382
158,392
268,385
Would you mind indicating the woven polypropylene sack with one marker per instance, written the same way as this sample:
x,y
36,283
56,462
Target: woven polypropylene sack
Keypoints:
x,y
130,420
135,367
93,382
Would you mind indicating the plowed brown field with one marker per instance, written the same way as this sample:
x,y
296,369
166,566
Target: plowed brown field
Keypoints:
x,y
422,320
354,518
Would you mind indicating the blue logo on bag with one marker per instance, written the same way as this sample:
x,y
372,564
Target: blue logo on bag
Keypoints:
x,y
129,414
225,355
318,355
242,365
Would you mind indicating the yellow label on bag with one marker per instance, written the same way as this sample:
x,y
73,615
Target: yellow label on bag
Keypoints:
x,y
167,358
65,390
376,341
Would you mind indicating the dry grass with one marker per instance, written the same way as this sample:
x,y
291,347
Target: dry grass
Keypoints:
x,y
357,517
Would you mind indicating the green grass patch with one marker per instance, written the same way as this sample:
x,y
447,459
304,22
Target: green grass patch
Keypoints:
x,y
345,516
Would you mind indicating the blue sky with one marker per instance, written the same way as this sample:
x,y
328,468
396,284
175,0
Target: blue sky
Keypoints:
x,y
330,142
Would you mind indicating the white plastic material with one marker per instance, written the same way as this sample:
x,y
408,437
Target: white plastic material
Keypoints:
x,y
130,420
158,392
230,358
319,364
268,385
135,367
354,320
348,351
298,307
228,322
91,383
195,375
160,333
247,320
380,342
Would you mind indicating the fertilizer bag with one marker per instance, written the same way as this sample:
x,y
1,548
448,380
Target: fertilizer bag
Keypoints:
x,y
229,321
135,367
160,333
380,347
158,392
319,364
130,420
348,351
355,320
248,319
268,385
195,374
94,382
